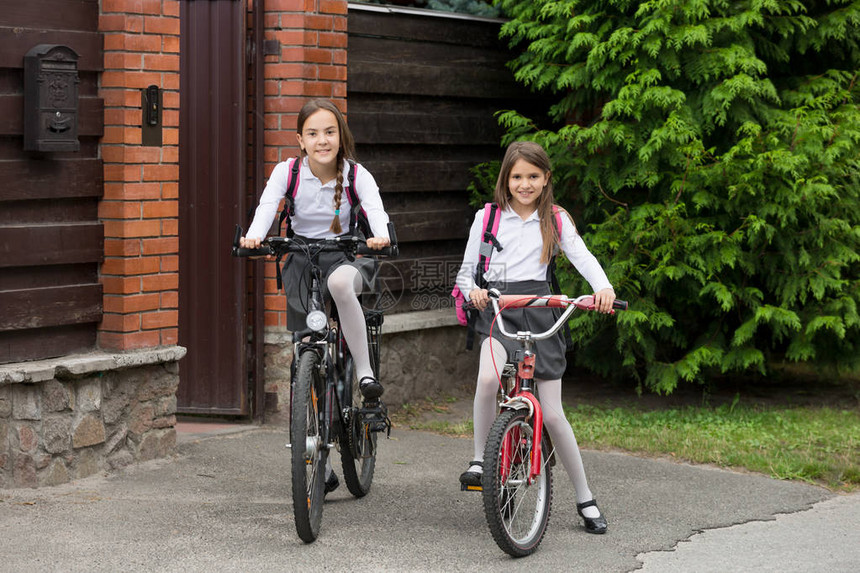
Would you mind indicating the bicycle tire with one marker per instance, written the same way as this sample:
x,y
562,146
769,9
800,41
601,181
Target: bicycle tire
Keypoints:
x,y
357,447
516,511
308,453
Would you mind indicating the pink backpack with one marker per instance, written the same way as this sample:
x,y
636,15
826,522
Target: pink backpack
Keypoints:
x,y
485,252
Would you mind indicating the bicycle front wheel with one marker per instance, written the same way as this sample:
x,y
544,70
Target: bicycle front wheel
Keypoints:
x,y
307,448
517,511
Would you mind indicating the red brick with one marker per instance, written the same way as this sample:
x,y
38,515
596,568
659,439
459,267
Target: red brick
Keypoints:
x,y
131,266
159,62
121,285
170,154
332,40
169,227
332,73
170,264
170,118
170,81
160,209
169,336
170,45
122,247
161,25
160,319
132,191
318,56
170,190
120,322
130,229
333,6
117,341
153,283
160,172
142,43
170,136
167,245
119,210
133,303
142,154
170,299
171,8
121,172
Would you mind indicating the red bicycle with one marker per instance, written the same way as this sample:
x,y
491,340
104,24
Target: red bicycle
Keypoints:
x,y
517,478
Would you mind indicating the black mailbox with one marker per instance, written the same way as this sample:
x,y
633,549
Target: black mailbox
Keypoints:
x,y
51,99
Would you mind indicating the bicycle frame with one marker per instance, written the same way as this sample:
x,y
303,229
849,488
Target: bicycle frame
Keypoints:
x,y
522,395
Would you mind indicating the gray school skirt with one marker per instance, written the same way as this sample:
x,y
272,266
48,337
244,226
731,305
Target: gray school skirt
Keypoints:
x,y
297,281
550,363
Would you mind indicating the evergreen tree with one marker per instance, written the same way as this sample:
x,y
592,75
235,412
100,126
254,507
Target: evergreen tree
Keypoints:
x,y
710,152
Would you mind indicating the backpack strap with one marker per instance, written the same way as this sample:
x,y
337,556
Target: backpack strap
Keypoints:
x,y
485,253
489,242
288,211
357,214
290,196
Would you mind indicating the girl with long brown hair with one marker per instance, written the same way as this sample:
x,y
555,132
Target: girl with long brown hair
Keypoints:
x,y
527,239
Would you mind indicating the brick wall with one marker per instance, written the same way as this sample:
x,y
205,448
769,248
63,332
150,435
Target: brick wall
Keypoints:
x,y
311,63
141,184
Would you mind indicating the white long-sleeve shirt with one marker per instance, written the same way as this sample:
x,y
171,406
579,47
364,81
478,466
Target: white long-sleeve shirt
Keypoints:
x,y
314,203
519,259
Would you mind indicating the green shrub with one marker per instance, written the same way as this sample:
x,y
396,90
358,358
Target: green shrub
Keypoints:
x,y
709,150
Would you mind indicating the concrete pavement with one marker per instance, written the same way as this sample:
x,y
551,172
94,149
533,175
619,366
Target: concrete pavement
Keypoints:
x,y
223,504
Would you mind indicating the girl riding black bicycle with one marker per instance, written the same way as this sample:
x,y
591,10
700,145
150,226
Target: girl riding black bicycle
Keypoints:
x,y
320,210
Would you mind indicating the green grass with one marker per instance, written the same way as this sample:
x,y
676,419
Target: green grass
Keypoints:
x,y
812,444
818,445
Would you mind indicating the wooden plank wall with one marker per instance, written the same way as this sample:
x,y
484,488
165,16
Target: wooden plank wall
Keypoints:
x,y
51,240
422,89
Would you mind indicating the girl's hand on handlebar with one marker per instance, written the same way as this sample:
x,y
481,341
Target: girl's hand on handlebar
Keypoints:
x,y
479,297
377,243
603,300
249,243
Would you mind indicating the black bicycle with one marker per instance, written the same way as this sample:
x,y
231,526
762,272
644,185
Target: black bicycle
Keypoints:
x,y
326,408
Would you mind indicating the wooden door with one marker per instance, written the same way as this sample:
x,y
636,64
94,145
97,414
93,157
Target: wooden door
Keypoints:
x,y
212,173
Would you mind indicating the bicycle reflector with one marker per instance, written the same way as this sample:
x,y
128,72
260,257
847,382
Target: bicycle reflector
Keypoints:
x,y
316,320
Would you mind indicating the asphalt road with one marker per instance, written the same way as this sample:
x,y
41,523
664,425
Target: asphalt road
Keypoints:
x,y
223,504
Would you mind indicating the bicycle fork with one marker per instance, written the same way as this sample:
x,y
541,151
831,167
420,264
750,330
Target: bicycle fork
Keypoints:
x,y
521,400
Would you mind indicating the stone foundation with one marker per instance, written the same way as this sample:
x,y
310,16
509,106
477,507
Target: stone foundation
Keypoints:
x,y
71,417
423,355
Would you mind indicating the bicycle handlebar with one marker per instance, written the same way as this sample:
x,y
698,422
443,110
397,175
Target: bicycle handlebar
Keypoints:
x,y
282,245
584,302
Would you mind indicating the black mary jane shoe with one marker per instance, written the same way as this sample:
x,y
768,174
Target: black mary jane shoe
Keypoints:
x,y
592,524
331,483
468,478
370,388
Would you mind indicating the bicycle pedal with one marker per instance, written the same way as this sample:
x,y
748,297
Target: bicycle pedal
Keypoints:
x,y
464,487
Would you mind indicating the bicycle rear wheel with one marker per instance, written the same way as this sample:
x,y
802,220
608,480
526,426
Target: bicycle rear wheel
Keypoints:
x,y
516,511
307,448
358,445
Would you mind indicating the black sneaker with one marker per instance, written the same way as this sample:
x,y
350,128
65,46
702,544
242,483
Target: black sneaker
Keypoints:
x,y
331,483
470,478
370,388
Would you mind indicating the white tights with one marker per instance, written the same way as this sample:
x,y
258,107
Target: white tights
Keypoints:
x,y
344,284
484,412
